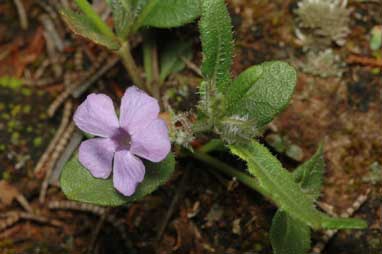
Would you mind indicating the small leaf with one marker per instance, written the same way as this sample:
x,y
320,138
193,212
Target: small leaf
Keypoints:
x,y
92,16
289,236
262,91
376,38
122,16
217,43
310,174
281,188
168,13
137,6
78,184
83,26
171,58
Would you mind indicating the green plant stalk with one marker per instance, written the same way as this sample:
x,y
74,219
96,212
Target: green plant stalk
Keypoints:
x,y
87,9
130,65
147,62
230,171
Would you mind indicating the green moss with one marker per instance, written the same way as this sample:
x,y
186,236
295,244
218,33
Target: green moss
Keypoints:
x,y
26,91
26,109
10,82
37,141
6,176
15,137
16,110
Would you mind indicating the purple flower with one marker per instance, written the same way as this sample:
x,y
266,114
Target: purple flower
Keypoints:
x,y
138,132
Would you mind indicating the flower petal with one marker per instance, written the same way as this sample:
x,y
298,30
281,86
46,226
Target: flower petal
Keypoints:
x,y
97,156
128,172
152,142
96,116
137,110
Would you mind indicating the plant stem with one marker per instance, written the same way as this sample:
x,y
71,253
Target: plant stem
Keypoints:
x,y
130,65
230,171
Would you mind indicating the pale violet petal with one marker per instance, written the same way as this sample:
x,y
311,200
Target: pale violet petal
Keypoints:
x,y
97,156
152,143
137,110
128,172
96,116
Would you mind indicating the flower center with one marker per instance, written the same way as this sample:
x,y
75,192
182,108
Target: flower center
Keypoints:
x,y
122,138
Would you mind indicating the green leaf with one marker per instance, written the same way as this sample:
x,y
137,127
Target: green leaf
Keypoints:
x,y
78,184
217,43
168,13
122,16
281,188
171,58
262,91
310,174
289,236
93,17
83,26
376,38
137,6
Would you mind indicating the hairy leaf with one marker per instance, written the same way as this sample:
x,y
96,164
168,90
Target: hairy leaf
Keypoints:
x,y
93,17
78,184
281,188
262,91
122,16
171,58
217,43
168,13
310,174
289,236
83,26
137,6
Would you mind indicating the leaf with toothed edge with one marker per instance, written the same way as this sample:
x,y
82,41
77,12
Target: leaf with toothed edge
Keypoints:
x,y
261,92
217,43
281,187
168,13
82,25
290,236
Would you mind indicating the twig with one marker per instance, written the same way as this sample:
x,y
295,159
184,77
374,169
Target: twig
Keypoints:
x,y
71,205
327,208
96,232
88,79
329,234
192,66
179,194
97,210
24,203
64,122
75,140
51,30
12,218
81,89
22,14
61,144
40,82
354,59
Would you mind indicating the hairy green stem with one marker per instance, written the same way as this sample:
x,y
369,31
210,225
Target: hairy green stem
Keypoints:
x,y
130,65
230,171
